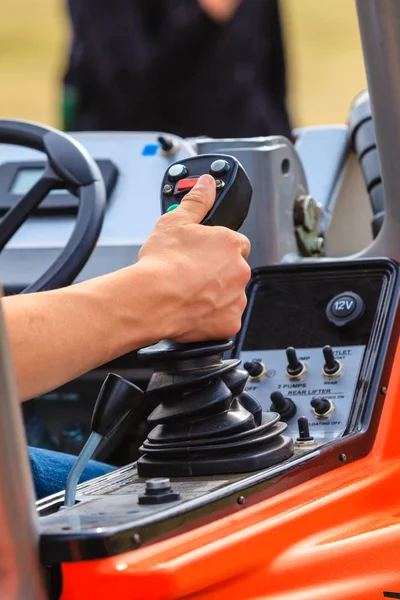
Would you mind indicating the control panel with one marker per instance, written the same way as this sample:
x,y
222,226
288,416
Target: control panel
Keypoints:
x,y
307,390
304,341
299,394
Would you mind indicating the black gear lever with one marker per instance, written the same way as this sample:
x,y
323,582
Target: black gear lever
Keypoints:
x,y
116,401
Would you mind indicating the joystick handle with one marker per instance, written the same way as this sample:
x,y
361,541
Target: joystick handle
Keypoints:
x,y
205,423
116,401
233,188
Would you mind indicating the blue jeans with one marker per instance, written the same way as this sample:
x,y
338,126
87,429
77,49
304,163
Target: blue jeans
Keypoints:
x,y
50,470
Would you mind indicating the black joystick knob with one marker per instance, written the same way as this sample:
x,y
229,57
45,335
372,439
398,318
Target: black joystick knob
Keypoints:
x,y
322,407
255,368
285,407
331,366
295,367
304,430
118,399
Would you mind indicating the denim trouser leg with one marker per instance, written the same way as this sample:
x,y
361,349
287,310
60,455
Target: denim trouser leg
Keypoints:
x,y
50,470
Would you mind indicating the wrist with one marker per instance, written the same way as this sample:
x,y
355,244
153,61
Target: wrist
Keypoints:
x,y
130,307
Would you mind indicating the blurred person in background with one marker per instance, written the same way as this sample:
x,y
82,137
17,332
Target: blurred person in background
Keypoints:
x,y
189,67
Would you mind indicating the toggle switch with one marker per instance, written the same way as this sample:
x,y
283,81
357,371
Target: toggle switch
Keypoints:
x,y
256,369
304,433
322,408
332,368
295,368
285,407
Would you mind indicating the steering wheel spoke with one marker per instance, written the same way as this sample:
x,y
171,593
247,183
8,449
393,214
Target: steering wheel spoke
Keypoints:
x,y
18,214
70,167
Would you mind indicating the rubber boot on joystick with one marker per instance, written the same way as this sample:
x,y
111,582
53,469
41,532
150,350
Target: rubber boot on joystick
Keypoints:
x,y
205,424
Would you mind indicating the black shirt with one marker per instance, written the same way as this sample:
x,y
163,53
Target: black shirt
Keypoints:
x,y
165,65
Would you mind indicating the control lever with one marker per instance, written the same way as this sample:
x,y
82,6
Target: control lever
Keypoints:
x,y
205,423
117,399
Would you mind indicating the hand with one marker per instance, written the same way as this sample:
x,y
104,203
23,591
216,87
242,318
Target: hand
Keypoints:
x,y
199,272
219,10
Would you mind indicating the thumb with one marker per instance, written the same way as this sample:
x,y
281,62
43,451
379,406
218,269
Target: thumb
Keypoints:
x,y
198,202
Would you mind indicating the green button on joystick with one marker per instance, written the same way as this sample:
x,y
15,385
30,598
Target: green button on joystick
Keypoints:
x,y
172,207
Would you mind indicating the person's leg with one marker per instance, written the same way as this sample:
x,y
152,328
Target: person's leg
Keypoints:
x,y
50,470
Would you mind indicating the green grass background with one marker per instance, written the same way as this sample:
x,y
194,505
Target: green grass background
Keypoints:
x,y
324,53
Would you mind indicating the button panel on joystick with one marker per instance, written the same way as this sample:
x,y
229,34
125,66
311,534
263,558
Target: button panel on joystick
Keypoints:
x,y
233,188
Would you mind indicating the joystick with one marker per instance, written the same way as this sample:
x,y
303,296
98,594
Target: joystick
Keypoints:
x,y
205,423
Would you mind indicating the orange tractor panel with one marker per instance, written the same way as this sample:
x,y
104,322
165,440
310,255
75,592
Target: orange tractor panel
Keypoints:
x,y
335,537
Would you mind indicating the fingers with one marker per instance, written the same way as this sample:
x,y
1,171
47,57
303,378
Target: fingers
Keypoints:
x,y
197,203
245,244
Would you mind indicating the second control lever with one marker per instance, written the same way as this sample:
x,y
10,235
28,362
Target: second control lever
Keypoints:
x,y
116,401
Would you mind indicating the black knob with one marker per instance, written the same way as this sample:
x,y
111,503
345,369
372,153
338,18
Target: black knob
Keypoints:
x,y
165,143
285,407
304,430
254,368
331,366
117,400
321,406
295,367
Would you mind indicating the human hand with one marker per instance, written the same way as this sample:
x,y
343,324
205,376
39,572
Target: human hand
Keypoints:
x,y
199,272
219,10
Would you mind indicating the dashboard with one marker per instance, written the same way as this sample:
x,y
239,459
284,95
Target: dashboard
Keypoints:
x,y
324,337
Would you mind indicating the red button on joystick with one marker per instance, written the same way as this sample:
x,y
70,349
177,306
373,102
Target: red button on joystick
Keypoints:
x,y
186,184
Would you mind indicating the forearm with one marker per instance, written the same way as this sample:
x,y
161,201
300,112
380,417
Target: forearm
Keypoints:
x,y
188,285
59,335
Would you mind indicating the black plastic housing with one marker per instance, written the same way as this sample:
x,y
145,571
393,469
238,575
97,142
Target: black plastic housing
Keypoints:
x,y
232,201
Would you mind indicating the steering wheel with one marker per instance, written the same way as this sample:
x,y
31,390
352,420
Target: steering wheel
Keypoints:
x,y
69,167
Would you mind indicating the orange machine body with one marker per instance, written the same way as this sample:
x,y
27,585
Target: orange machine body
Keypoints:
x,y
335,537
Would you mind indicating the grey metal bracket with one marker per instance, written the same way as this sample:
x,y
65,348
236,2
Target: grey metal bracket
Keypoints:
x,y
279,188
